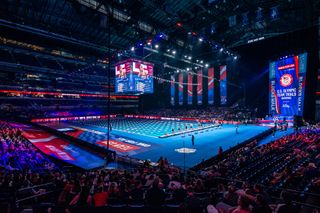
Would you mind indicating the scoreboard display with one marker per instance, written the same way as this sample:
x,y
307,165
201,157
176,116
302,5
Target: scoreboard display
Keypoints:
x,y
134,76
287,85
123,71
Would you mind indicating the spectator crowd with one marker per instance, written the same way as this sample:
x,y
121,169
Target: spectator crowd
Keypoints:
x,y
252,178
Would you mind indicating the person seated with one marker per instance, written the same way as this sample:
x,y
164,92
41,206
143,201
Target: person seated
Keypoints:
x,y
137,193
193,203
155,196
231,197
287,205
179,195
261,205
101,197
243,205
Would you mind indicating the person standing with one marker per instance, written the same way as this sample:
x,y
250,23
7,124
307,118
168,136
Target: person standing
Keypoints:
x,y
237,128
286,126
192,140
220,151
273,131
105,161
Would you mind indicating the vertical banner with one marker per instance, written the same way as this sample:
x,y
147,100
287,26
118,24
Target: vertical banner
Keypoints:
x,y
190,94
287,85
273,100
302,61
223,84
180,89
172,90
211,86
199,87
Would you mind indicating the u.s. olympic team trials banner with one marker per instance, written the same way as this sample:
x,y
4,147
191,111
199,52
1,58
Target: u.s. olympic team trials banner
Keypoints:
x,y
287,85
223,85
211,86
189,92
180,88
199,87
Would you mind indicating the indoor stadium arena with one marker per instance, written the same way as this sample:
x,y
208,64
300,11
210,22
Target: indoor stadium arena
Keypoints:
x,y
160,106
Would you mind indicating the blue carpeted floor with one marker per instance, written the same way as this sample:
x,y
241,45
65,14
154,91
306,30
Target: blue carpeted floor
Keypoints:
x,y
206,143
277,135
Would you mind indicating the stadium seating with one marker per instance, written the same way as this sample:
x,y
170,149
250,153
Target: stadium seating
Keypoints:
x,y
17,154
278,165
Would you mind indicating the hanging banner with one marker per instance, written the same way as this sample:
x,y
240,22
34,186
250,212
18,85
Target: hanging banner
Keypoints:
x,y
180,88
190,94
223,84
211,86
287,85
172,90
199,87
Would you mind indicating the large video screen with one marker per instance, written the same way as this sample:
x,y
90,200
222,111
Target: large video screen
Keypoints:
x,y
287,85
134,76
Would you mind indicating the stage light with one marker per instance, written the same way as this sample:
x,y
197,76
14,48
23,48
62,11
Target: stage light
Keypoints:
x,y
200,39
119,54
197,60
235,58
189,57
201,62
132,49
188,68
179,24
221,49
189,33
206,65
156,46
185,56
149,43
174,52
168,50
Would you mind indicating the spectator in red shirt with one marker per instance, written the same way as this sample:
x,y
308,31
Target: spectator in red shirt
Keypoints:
x,y
101,197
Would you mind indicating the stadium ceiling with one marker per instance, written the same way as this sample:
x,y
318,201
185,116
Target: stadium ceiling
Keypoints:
x,y
222,21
